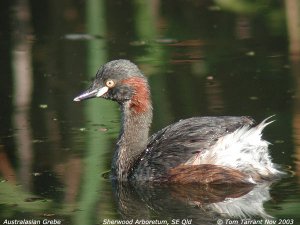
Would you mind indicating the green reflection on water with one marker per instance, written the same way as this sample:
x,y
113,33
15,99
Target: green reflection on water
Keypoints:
x,y
95,111
15,198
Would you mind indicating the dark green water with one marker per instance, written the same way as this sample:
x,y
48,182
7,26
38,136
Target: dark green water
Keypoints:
x,y
201,58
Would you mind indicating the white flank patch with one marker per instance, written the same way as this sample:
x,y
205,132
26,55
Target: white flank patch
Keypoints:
x,y
243,149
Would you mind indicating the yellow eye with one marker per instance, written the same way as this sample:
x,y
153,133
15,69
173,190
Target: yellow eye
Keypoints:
x,y
110,83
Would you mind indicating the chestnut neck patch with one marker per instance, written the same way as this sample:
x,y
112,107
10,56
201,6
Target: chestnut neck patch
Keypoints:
x,y
140,101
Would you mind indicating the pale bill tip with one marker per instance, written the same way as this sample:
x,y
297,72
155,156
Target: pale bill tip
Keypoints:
x,y
76,99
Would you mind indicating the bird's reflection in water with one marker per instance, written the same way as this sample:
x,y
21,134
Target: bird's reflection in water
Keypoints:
x,y
201,204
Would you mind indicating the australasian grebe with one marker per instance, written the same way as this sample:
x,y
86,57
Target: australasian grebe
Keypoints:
x,y
196,150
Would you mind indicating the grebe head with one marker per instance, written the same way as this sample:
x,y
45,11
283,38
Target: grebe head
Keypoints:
x,y
118,80
123,82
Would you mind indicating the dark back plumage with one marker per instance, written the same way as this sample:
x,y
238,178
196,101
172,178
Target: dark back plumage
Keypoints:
x,y
178,142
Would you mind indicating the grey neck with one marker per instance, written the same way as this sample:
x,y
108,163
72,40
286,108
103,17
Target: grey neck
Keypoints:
x,y
132,140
